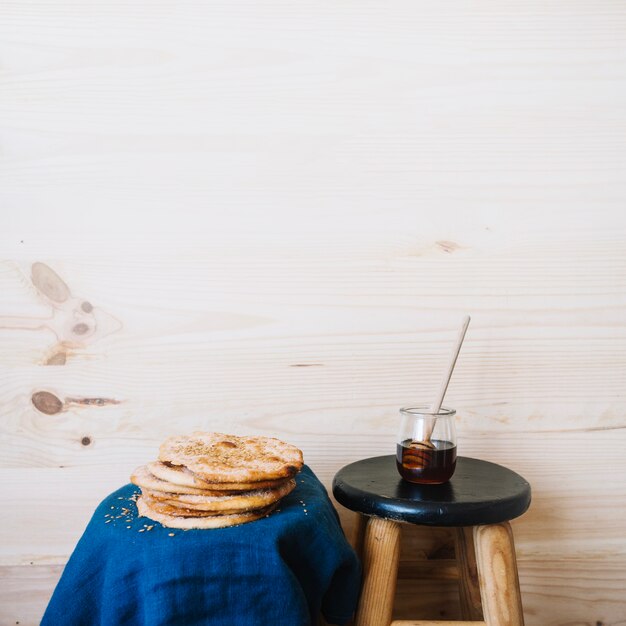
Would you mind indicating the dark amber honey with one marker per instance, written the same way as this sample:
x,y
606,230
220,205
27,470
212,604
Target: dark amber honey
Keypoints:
x,y
417,462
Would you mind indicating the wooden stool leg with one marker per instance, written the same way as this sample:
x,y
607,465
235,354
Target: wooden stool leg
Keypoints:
x,y
469,589
497,575
358,536
381,550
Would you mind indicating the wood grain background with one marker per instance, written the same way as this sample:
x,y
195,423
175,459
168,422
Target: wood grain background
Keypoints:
x,y
278,213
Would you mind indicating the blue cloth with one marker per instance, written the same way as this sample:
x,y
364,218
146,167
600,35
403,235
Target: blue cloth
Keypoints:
x,y
277,571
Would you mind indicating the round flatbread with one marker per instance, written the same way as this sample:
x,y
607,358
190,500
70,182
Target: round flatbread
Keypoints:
x,y
179,475
189,523
219,458
166,508
143,478
244,501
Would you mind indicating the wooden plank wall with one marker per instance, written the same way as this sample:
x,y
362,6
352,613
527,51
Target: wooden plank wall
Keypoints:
x,y
277,213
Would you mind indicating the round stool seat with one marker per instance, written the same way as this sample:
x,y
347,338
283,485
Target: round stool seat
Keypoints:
x,y
479,493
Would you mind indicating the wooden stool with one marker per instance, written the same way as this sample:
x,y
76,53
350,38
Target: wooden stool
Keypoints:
x,y
479,501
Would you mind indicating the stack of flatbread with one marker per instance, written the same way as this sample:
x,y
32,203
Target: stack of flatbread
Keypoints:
x,y
211,480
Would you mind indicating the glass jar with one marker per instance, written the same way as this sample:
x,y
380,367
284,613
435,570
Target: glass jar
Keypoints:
x,y
426,445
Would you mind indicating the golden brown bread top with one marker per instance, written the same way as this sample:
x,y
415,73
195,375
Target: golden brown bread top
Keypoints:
x,y
219,458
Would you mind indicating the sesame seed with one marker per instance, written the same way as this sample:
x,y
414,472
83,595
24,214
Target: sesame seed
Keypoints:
x,y
127,526
170,534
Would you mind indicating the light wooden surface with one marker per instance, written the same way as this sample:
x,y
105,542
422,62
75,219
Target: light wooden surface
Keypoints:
x,y
279,213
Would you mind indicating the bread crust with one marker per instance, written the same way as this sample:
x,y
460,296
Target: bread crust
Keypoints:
x,y
243,501
163,507
220,458
179,475
143,478
206,522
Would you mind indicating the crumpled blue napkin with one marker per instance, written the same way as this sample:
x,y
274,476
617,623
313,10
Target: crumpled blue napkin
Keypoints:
x,y
278,571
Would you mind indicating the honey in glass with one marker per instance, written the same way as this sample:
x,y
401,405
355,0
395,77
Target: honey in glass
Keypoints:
x,y
426,446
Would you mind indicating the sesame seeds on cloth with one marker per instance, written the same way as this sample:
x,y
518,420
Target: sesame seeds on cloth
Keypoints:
x,y
204,474
129,570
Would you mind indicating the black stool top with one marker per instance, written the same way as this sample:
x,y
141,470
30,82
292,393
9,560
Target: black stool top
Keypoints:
x,y
479,493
